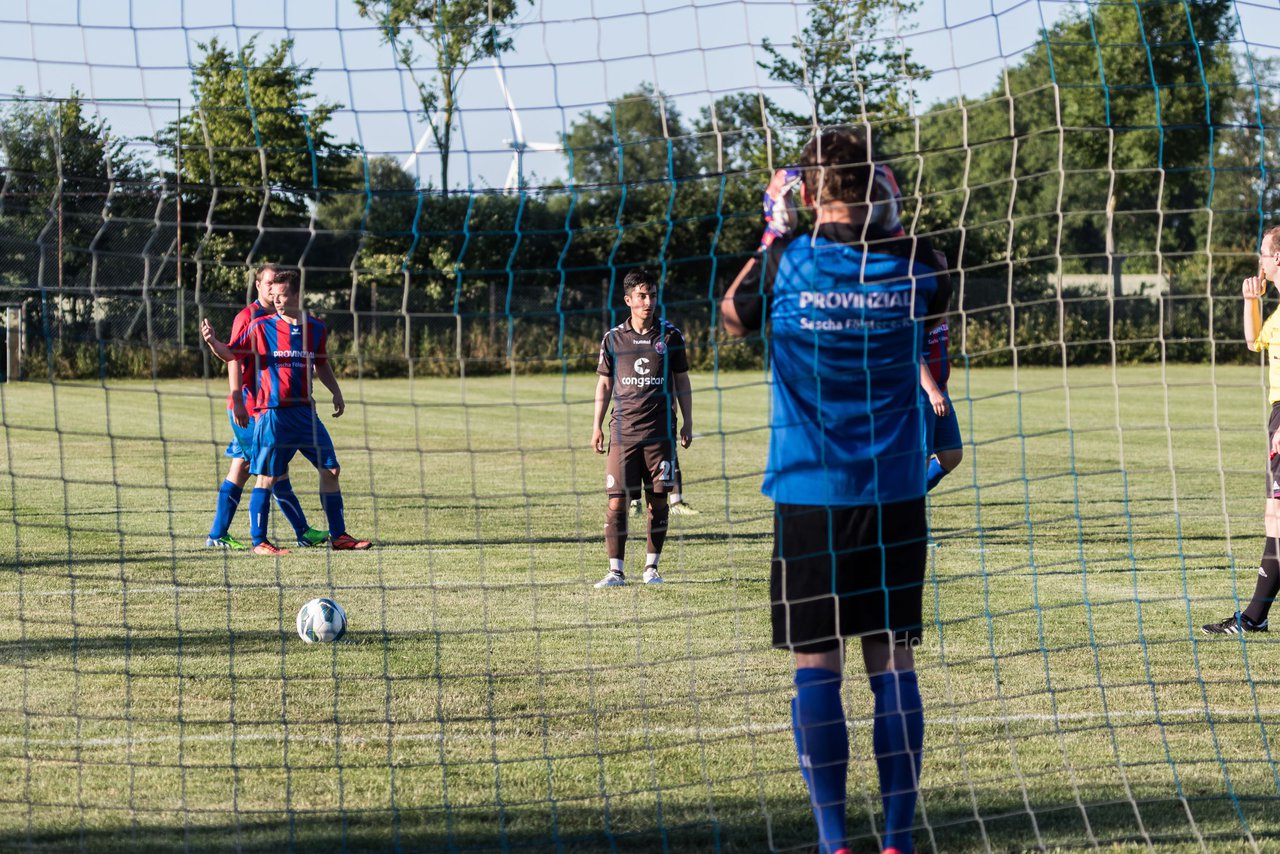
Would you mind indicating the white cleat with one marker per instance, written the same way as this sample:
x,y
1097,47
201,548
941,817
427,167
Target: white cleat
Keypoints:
x,y
636,507
683,509
651,575
613,579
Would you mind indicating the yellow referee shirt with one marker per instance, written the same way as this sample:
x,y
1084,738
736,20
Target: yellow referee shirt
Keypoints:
x,y
1269,337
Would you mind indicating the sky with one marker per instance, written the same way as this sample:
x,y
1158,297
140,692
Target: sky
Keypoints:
x,y
132,58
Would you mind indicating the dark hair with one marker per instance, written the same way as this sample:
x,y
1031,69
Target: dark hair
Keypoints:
x,y
287,277
836,166
637,277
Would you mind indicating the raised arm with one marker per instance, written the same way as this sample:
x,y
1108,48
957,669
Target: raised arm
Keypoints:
x,y
733,322
222,351
1252,290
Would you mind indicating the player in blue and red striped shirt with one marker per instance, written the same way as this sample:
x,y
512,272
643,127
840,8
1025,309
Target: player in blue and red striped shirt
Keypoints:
x,y
942,442
285,350
240,412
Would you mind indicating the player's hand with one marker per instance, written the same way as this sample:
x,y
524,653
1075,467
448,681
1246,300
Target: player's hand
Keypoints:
x,y
597,440
339,406
779,205
1253,288
686,435
938,401
1275,444
207,333
238,412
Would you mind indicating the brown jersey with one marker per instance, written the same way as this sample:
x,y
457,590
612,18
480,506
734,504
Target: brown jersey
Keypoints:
x,y
643,369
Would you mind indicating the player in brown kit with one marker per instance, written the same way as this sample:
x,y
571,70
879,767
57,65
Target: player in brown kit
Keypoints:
x,y
644,369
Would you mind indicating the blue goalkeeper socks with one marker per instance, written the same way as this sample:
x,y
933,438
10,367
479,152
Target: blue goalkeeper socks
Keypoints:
x,y
332,504
290,507
259,508
822,743
936,472
228,501
898,739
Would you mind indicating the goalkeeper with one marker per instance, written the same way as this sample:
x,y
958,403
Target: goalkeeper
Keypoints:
x,y
845,304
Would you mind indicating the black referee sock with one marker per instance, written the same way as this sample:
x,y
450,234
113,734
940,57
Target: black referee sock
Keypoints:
x,y
1268,582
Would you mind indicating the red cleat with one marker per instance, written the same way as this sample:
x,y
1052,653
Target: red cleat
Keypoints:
x,y
266,548
346,543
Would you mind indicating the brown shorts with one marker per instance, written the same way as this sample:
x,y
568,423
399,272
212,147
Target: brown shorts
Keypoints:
x,y
648,466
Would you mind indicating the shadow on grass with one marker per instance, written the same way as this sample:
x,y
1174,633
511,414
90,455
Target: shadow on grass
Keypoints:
x,y
719,825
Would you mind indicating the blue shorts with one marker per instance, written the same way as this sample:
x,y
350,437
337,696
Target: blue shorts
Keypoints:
x,y
940,434
278,434
241,445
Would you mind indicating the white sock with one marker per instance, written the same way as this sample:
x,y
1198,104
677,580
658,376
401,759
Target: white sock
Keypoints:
x,y
651,559
615,564
676,498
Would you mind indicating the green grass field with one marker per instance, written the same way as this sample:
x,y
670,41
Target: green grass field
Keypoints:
x,y
487,697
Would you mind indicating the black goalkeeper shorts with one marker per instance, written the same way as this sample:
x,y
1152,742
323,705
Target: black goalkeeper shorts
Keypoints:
x,y
840,572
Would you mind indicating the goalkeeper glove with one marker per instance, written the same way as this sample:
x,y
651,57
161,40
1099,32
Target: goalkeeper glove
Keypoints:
x,y
779,206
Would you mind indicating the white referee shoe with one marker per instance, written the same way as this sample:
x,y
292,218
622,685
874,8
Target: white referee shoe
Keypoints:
x,y
651,575
613,579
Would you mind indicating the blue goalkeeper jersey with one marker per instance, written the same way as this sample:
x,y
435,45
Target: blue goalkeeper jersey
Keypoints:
x,y
846,313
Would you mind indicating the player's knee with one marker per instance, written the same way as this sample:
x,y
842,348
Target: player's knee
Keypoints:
x,y
950,458
238,473
617,502
615,518
330,473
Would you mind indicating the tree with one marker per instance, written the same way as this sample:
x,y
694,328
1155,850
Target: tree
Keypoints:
x,y
457,34
76,206
849,68
254,153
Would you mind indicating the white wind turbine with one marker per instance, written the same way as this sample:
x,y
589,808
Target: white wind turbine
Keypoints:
x,y
518,144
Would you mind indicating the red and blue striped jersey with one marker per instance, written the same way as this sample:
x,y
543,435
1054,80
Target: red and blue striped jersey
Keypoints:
x,y
935,354
283,355
248,377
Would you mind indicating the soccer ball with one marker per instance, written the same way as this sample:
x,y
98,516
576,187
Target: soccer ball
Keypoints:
x,y
321,620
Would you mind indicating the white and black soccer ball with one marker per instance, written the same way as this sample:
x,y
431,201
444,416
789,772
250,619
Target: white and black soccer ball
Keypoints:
x,y
321,621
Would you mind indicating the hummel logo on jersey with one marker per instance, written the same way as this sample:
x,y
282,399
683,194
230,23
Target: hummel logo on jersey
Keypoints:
x,y
638,341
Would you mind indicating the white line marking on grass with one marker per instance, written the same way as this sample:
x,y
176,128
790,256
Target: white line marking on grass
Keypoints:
x,y
1219,715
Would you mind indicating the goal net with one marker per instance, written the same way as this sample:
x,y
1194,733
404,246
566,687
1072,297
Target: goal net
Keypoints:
x,y
462,188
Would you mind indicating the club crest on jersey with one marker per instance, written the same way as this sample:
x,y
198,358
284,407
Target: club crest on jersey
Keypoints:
x,y
659,347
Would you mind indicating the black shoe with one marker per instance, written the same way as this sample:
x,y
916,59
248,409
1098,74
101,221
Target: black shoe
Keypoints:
x,y
1234,625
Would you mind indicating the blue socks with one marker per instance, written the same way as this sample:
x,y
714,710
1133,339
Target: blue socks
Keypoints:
x,y
822,743
290,506
332,504
228,501
936,472
898,740
259,508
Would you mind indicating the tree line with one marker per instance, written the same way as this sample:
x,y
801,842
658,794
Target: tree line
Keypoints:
x,y
1130,139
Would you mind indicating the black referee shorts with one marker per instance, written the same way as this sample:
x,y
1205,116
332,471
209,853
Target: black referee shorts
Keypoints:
x,y
840,572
